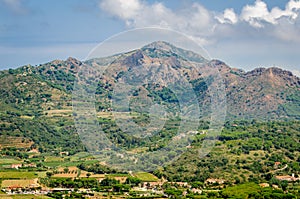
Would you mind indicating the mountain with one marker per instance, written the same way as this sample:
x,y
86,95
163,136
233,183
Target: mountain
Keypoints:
x,y
263,93
42,94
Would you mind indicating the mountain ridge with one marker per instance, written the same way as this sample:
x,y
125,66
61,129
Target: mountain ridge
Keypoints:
x,y
266,91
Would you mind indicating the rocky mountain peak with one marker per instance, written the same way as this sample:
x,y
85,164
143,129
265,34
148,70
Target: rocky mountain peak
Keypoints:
x,y
161,45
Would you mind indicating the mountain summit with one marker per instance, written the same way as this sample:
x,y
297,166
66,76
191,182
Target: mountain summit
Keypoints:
x,y
169,49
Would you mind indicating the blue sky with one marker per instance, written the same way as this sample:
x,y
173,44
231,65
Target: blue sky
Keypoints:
x,y
244,34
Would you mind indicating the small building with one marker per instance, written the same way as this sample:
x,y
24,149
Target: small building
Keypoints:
x,y
276,164
152,184
214,180
61,189
181,184
197,191
30,165
275,186
16,166
287,178
64,153
264,185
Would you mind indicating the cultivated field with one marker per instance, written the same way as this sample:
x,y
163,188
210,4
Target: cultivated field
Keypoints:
x,y
146,177
9,161
18,142
19,183
17,175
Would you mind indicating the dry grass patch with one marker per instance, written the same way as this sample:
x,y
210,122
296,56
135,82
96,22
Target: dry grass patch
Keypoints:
x,y
20,183
65,175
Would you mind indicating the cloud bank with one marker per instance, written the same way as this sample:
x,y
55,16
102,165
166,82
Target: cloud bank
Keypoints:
x,y
254,28
199,22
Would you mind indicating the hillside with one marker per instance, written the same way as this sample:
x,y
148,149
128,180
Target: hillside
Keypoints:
x,y
42,94
258,144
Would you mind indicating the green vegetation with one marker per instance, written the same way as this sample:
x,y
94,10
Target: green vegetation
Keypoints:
x,y
246,151
17,175
252,190
292,107
37,133
146,177
51,138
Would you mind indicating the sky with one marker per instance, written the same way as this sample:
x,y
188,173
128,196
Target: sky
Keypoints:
x,y
244,34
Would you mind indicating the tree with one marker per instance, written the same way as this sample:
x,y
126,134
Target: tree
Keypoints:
x,y
109,182
66,170
133,181
49,174
88,175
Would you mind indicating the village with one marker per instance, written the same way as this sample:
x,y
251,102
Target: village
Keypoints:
x,y
145,185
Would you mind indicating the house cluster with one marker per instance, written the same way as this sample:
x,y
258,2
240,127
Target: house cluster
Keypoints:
x,y
21,186
36,189
288,178
214,181
264,185
18,166
149,188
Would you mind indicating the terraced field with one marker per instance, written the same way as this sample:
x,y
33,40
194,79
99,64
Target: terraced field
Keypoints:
x,y
18,142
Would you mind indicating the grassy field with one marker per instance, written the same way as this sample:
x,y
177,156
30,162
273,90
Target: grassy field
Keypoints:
x,y
41,174
77,157
17,175
146,177
9,161
67,163
70,164
58,113
53,159
52,164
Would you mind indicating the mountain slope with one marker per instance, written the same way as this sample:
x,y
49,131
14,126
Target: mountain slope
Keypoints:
x,y
263,93
44,92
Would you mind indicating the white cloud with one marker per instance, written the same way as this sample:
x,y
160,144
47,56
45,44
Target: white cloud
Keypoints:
x,y
201,23
256,15
271,29
208,26
195,20
125,10
293,5
228,16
